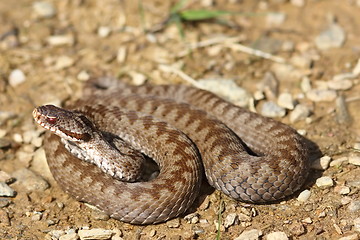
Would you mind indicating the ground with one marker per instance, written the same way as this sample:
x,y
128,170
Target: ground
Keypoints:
x,y
55,53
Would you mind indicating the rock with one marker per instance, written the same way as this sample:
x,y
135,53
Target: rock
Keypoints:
x,y
345,84
321,95
356,146
333,36
298,3
227,89
356,223
276,236
286,100
304,196
342,113
355,160
305,84
297,228
174,223
269,85
83,76
230,220
16,77
69,236
275,18
354,206
271,109
95,234
350,237
343,190
6,191
324,182
338,162
61,40
343,76
63,62
252,234
30,180
300,112
103,31
321,163
356,69
44,9
301,61
192,218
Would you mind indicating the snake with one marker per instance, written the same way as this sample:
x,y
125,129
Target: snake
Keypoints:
x,y
189,132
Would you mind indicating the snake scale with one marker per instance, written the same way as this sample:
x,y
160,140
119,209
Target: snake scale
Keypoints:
x,y
247,156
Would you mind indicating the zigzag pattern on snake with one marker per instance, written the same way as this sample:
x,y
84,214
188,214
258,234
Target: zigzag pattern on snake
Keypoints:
x,y
248,157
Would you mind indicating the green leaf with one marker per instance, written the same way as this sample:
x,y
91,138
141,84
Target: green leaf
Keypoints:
x,y
198,15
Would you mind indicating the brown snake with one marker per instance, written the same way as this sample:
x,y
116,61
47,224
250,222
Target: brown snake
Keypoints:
x,y
252,158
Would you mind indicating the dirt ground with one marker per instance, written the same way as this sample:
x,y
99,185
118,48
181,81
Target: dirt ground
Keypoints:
x,y
58,52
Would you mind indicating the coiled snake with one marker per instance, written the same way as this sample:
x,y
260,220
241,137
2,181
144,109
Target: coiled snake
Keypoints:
x,y
252,158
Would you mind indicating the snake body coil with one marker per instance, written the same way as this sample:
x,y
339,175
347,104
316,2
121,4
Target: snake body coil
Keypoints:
x,y
249,157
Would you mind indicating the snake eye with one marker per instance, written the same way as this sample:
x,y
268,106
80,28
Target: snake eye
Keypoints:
x,y
51,120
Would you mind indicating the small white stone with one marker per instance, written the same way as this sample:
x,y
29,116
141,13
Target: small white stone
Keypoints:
x,y
321,163
298,3
304,196
230,220
61,40
63,62
343,190
333,36
350,237
339,161
3,133
324,182
152,233
321,95
18,138
121,55
271,109
340,85
275,18
300,112
307,220
286,100
356,223
137,78
305,84
355,160
356,145
104,31
276,236
83,76
16,77
69,236
44,9
6,191
253,234
356,70
95,234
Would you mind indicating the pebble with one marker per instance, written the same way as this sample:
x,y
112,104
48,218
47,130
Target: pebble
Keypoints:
x,y
307,220
297,228
321,95
95,234
305,84
121,55
269,85
339,161
44,9
103,31
356,223
343,190
304,196
355,160
16,77
304,62
174,223
350,237
300,112
321,163
275,19
61,40
271,109
30,180
63,62
69,236
356,146
226,88
342,113
276,236
230,220
324,182
286,100
253,234
340,84
354,206
152,233
298,3
192,218
356,69
333,36
343,76
6,191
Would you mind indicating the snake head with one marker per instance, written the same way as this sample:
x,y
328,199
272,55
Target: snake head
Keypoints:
x,y
69,125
